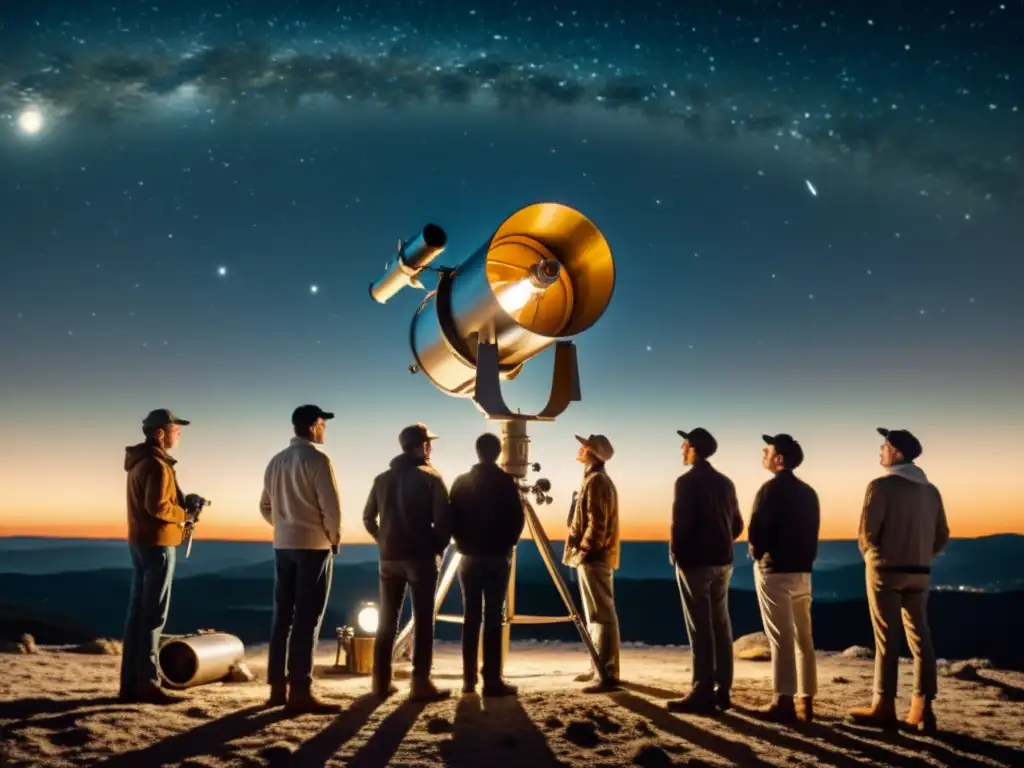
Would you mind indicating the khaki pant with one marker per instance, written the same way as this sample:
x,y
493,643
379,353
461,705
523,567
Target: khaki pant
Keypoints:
x,y
785,601
597,591
896,598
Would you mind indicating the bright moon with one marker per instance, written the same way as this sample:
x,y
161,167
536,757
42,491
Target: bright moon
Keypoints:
x,y
30,121
222,271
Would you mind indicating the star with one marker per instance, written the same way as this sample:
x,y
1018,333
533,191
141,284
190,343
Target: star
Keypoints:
x,y
30,122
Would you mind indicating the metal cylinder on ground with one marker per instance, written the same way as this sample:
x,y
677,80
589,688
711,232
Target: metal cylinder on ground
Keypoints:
x,y
360,656
192,660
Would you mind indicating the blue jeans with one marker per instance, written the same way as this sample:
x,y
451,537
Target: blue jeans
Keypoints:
x,y
149,605
302,583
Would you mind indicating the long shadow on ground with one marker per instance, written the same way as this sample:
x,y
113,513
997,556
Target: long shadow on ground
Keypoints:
x,y
211,738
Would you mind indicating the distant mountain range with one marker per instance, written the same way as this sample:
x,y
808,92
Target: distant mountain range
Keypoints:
x,y
988,564
64,591
67,608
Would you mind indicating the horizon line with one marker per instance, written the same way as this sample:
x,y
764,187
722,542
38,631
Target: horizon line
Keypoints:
x,y
372,543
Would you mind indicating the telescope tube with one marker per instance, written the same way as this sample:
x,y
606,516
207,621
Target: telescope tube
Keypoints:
x,y
554,252
413,257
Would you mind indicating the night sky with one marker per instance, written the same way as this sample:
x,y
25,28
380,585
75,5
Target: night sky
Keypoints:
x,y
815,211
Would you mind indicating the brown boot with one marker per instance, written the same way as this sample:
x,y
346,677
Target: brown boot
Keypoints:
x,y
302,701
499,688
154,694
921,717
804,709
424,690
278,695
782,710
697,702
881,713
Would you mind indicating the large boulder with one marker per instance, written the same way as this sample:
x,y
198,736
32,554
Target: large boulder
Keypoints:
x,y
752,647
858,652
101,646
26,644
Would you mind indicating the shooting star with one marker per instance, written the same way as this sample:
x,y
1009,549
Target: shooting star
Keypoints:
x,y
811,188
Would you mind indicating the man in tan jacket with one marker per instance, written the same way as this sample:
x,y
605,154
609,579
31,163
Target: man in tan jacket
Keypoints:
x,y
156,519
592,548
902,529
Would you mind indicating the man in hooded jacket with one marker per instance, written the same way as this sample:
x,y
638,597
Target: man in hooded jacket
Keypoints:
x,y
903,529
157,513
408,514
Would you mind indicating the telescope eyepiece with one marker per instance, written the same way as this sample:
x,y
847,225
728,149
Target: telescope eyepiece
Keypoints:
x,y
434,236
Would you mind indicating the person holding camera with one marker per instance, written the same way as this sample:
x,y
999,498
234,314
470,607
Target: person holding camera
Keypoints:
x,y
408,514
487,521
157,513
300,500
592,548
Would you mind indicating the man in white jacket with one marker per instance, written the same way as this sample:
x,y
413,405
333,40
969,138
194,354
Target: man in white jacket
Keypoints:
x,y
300,500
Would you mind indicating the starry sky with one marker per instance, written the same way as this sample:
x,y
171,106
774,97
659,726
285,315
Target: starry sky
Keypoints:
x,y
814,210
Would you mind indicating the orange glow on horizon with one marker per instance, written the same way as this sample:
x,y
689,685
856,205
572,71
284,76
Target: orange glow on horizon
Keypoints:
x,y
983,492
999,521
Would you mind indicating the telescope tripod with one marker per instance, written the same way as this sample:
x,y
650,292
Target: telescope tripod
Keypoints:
x,y
515,448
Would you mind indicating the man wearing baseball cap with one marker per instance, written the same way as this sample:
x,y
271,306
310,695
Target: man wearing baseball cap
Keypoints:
x,y
705,522
903,529
408,514
300,500
783,541
592,548
156,517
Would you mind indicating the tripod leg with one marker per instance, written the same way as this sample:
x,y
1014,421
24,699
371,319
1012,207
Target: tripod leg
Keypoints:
x,y
544,547
510,610
403,643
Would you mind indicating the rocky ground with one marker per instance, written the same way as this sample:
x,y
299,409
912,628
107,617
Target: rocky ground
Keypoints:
x,y
57,708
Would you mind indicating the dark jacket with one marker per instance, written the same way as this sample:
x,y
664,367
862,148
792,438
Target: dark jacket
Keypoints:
x,y
487,513
903,525
594,521
784,526
156,505
705,518
407,512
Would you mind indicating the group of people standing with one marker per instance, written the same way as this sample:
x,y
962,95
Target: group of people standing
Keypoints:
x,y
413,517
902,529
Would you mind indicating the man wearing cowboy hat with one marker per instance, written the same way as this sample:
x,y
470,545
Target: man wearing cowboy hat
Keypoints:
x,y
903,529
592,548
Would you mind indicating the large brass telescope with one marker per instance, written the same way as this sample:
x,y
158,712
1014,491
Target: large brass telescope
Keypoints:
x,y
546,273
